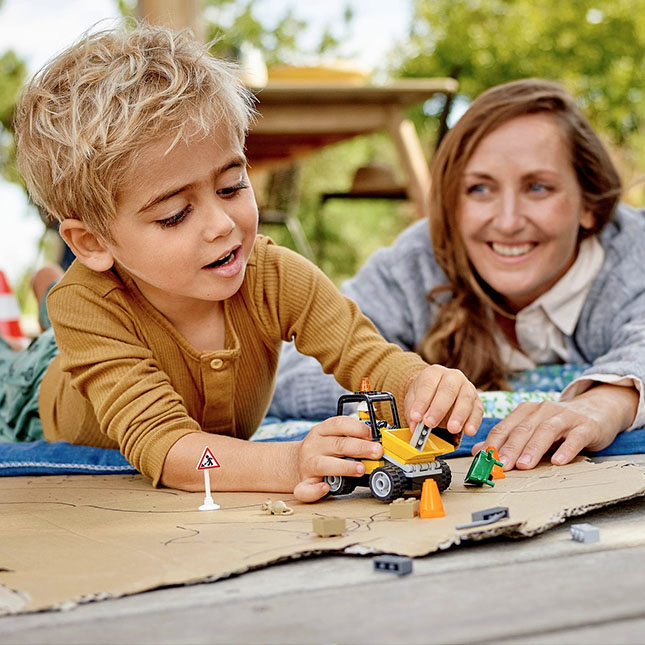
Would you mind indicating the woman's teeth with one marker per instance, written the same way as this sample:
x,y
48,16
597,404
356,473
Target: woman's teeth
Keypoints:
x,y
511,250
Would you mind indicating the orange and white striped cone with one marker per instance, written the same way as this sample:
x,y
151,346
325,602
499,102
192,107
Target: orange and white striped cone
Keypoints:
x,y
9,312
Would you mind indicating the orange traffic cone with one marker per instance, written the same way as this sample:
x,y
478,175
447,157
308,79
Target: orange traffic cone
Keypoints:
x,y
498,471
431,504
9,312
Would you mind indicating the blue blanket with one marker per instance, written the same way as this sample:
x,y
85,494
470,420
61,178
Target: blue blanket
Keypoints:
x,y
542,383
62,458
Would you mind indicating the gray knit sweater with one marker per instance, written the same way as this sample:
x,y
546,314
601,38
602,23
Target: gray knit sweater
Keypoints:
x,y
392,287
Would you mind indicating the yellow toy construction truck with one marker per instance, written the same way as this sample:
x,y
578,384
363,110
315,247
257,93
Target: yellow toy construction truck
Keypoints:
x,y
409,458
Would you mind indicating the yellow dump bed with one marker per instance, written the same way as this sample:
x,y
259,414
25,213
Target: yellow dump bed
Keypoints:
x,y
396,443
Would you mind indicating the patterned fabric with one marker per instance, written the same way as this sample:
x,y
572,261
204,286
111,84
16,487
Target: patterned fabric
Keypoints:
x,y
20,377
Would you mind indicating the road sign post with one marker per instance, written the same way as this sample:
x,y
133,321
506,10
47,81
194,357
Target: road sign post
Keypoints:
x,y
206,462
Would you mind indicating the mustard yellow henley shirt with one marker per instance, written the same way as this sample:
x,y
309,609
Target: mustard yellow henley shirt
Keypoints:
x,y
126,378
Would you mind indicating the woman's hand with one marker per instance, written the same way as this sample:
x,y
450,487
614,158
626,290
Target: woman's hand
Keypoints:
x,y
445,397
590,420
323,450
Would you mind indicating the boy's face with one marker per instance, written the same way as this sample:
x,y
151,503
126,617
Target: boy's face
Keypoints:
x,y
186,222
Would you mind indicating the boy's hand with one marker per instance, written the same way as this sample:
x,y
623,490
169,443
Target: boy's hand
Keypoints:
x,y
321,453
590,420
443,396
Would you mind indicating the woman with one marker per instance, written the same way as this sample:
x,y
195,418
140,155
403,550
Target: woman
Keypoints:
x,y
532,261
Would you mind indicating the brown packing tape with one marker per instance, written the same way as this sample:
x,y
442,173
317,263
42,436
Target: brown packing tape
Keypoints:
x,y
66,540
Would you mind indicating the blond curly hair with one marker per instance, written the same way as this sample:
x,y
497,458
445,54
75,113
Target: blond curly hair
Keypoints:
x,y
83,119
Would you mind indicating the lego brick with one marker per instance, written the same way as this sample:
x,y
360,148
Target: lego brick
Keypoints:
x,y
486,516
329,526
585,532
399,564
420,436
404,509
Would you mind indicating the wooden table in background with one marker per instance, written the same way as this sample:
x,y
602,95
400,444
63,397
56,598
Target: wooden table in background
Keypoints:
x,y
297,119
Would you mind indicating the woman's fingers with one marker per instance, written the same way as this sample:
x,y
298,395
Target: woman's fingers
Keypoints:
x,y
531,430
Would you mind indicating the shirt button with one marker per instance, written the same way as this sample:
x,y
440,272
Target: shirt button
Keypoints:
x,y
216,363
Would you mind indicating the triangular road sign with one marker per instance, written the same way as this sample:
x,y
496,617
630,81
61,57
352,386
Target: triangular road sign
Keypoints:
x,y
207,460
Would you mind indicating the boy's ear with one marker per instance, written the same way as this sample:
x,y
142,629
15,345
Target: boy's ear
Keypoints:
x,y
87,246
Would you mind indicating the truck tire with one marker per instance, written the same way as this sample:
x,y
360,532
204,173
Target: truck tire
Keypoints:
x,y
339,485
443,480
387,483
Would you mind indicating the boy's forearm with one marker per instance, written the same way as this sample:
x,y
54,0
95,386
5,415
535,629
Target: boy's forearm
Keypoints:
x,y
244,465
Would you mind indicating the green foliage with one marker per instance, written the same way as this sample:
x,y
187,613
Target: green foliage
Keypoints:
x,y
230,23
342,232
596,48
12,76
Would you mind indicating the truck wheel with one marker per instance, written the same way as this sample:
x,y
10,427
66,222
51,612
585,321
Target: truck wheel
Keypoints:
x,y
387,483
443,480
339,485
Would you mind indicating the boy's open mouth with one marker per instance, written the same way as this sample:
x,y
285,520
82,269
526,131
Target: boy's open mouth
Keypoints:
x,y
222,261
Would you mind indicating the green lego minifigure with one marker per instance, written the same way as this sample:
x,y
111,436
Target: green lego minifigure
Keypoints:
x,y
479,472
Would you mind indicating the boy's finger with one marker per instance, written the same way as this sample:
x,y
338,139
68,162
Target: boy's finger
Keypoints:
x,y
310,490
475,419
339,426
324,465
423,390
467,403
351,447
445,397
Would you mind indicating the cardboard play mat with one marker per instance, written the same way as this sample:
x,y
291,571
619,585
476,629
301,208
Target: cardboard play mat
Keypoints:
x,y
71,539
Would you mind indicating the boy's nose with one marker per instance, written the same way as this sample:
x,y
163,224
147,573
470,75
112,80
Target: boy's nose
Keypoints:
x,y
218,223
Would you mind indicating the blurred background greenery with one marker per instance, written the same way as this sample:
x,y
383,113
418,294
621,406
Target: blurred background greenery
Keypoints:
x,y
596,48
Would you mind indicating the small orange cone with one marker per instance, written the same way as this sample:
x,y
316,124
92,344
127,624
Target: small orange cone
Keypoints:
x,y
431,504
365,385
9,312
498,471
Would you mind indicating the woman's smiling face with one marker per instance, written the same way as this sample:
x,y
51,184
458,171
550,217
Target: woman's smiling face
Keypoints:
x,y
520,208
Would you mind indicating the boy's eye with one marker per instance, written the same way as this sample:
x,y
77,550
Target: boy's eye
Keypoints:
x,y
231,191
173,220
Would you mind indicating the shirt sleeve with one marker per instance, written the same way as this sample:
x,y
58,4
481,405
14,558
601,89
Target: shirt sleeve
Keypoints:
x,y
391,290
611,331
109,364
330,328
583,384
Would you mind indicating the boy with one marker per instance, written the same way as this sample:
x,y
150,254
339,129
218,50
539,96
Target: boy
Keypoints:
x,y
170,321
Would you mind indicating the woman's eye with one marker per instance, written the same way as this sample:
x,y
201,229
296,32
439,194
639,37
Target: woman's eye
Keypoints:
x,y
231,191
476,189
537,187
173,220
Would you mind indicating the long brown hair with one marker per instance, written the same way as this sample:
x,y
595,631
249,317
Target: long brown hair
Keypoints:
x,y
462,334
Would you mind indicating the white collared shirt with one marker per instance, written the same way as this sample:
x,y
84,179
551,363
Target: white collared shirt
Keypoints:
x,y
543,326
